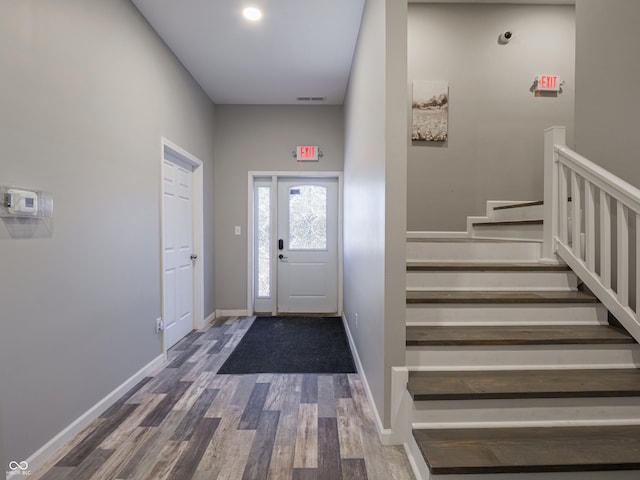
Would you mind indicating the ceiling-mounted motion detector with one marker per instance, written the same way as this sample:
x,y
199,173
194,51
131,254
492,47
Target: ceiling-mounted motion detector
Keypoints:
x,y
505,37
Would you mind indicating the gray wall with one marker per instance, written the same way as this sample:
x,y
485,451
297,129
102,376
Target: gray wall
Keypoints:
x,y
495,146
375,196
87,92
4,463
608,116
261,138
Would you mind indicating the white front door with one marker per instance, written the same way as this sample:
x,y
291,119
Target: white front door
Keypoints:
x,y
178,296
307,245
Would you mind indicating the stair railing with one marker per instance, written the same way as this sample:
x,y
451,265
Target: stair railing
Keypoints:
x,y
592,222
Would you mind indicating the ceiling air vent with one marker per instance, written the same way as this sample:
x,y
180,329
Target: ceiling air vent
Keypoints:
x,y
311,99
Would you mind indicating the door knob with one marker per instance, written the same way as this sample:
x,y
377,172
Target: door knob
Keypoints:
x,y
281,256
193,256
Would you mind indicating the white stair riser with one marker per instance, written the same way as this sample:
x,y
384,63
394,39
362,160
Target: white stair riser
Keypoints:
x,y
491,280
532,212
491,204
516,232
469,251
557,411
526,356
509,314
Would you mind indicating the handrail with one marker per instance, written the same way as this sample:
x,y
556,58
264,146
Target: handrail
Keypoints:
x,y
619,189
586,207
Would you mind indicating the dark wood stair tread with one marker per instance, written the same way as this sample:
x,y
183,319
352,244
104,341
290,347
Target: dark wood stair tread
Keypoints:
x,y
486,267
520,205
424,336
509,222
414,296
509,384
530,450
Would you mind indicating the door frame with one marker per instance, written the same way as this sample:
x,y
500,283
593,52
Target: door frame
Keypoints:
x,y
275,175
197,222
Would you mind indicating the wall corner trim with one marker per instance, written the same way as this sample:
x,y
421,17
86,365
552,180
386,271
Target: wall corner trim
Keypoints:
x,y
47,451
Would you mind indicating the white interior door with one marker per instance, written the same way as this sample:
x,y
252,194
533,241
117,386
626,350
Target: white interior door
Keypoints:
x,y
178,293
307,245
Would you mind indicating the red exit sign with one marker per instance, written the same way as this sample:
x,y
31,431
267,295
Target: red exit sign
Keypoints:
x,y
307,153
547,83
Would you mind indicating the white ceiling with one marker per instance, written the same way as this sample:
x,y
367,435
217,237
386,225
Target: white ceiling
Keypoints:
x,y
301,48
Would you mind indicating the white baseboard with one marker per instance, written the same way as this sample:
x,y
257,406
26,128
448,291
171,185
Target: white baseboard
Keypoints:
x,y
232,313
385,434
209,319
205,322
47,451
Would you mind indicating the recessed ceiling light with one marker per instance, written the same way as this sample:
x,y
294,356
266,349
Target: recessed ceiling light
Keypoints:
x,y
252,14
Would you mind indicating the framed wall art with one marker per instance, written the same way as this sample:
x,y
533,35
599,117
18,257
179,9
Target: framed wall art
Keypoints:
x,y
430,111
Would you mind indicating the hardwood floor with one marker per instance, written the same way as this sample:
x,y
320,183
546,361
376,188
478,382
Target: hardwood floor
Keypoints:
x,y
187,422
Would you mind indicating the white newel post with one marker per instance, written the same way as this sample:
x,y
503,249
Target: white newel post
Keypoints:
x,y
552,136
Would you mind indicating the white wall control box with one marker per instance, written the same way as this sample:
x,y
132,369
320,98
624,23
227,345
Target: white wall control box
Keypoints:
x,y
21,202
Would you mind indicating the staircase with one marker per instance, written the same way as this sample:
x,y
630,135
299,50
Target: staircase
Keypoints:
x,y
507,220
512,368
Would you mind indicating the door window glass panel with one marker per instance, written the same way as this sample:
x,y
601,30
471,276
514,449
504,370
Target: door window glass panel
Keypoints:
x,y
264,241
308,218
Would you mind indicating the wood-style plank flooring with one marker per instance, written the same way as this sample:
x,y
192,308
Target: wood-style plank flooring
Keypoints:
x,y
187,422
